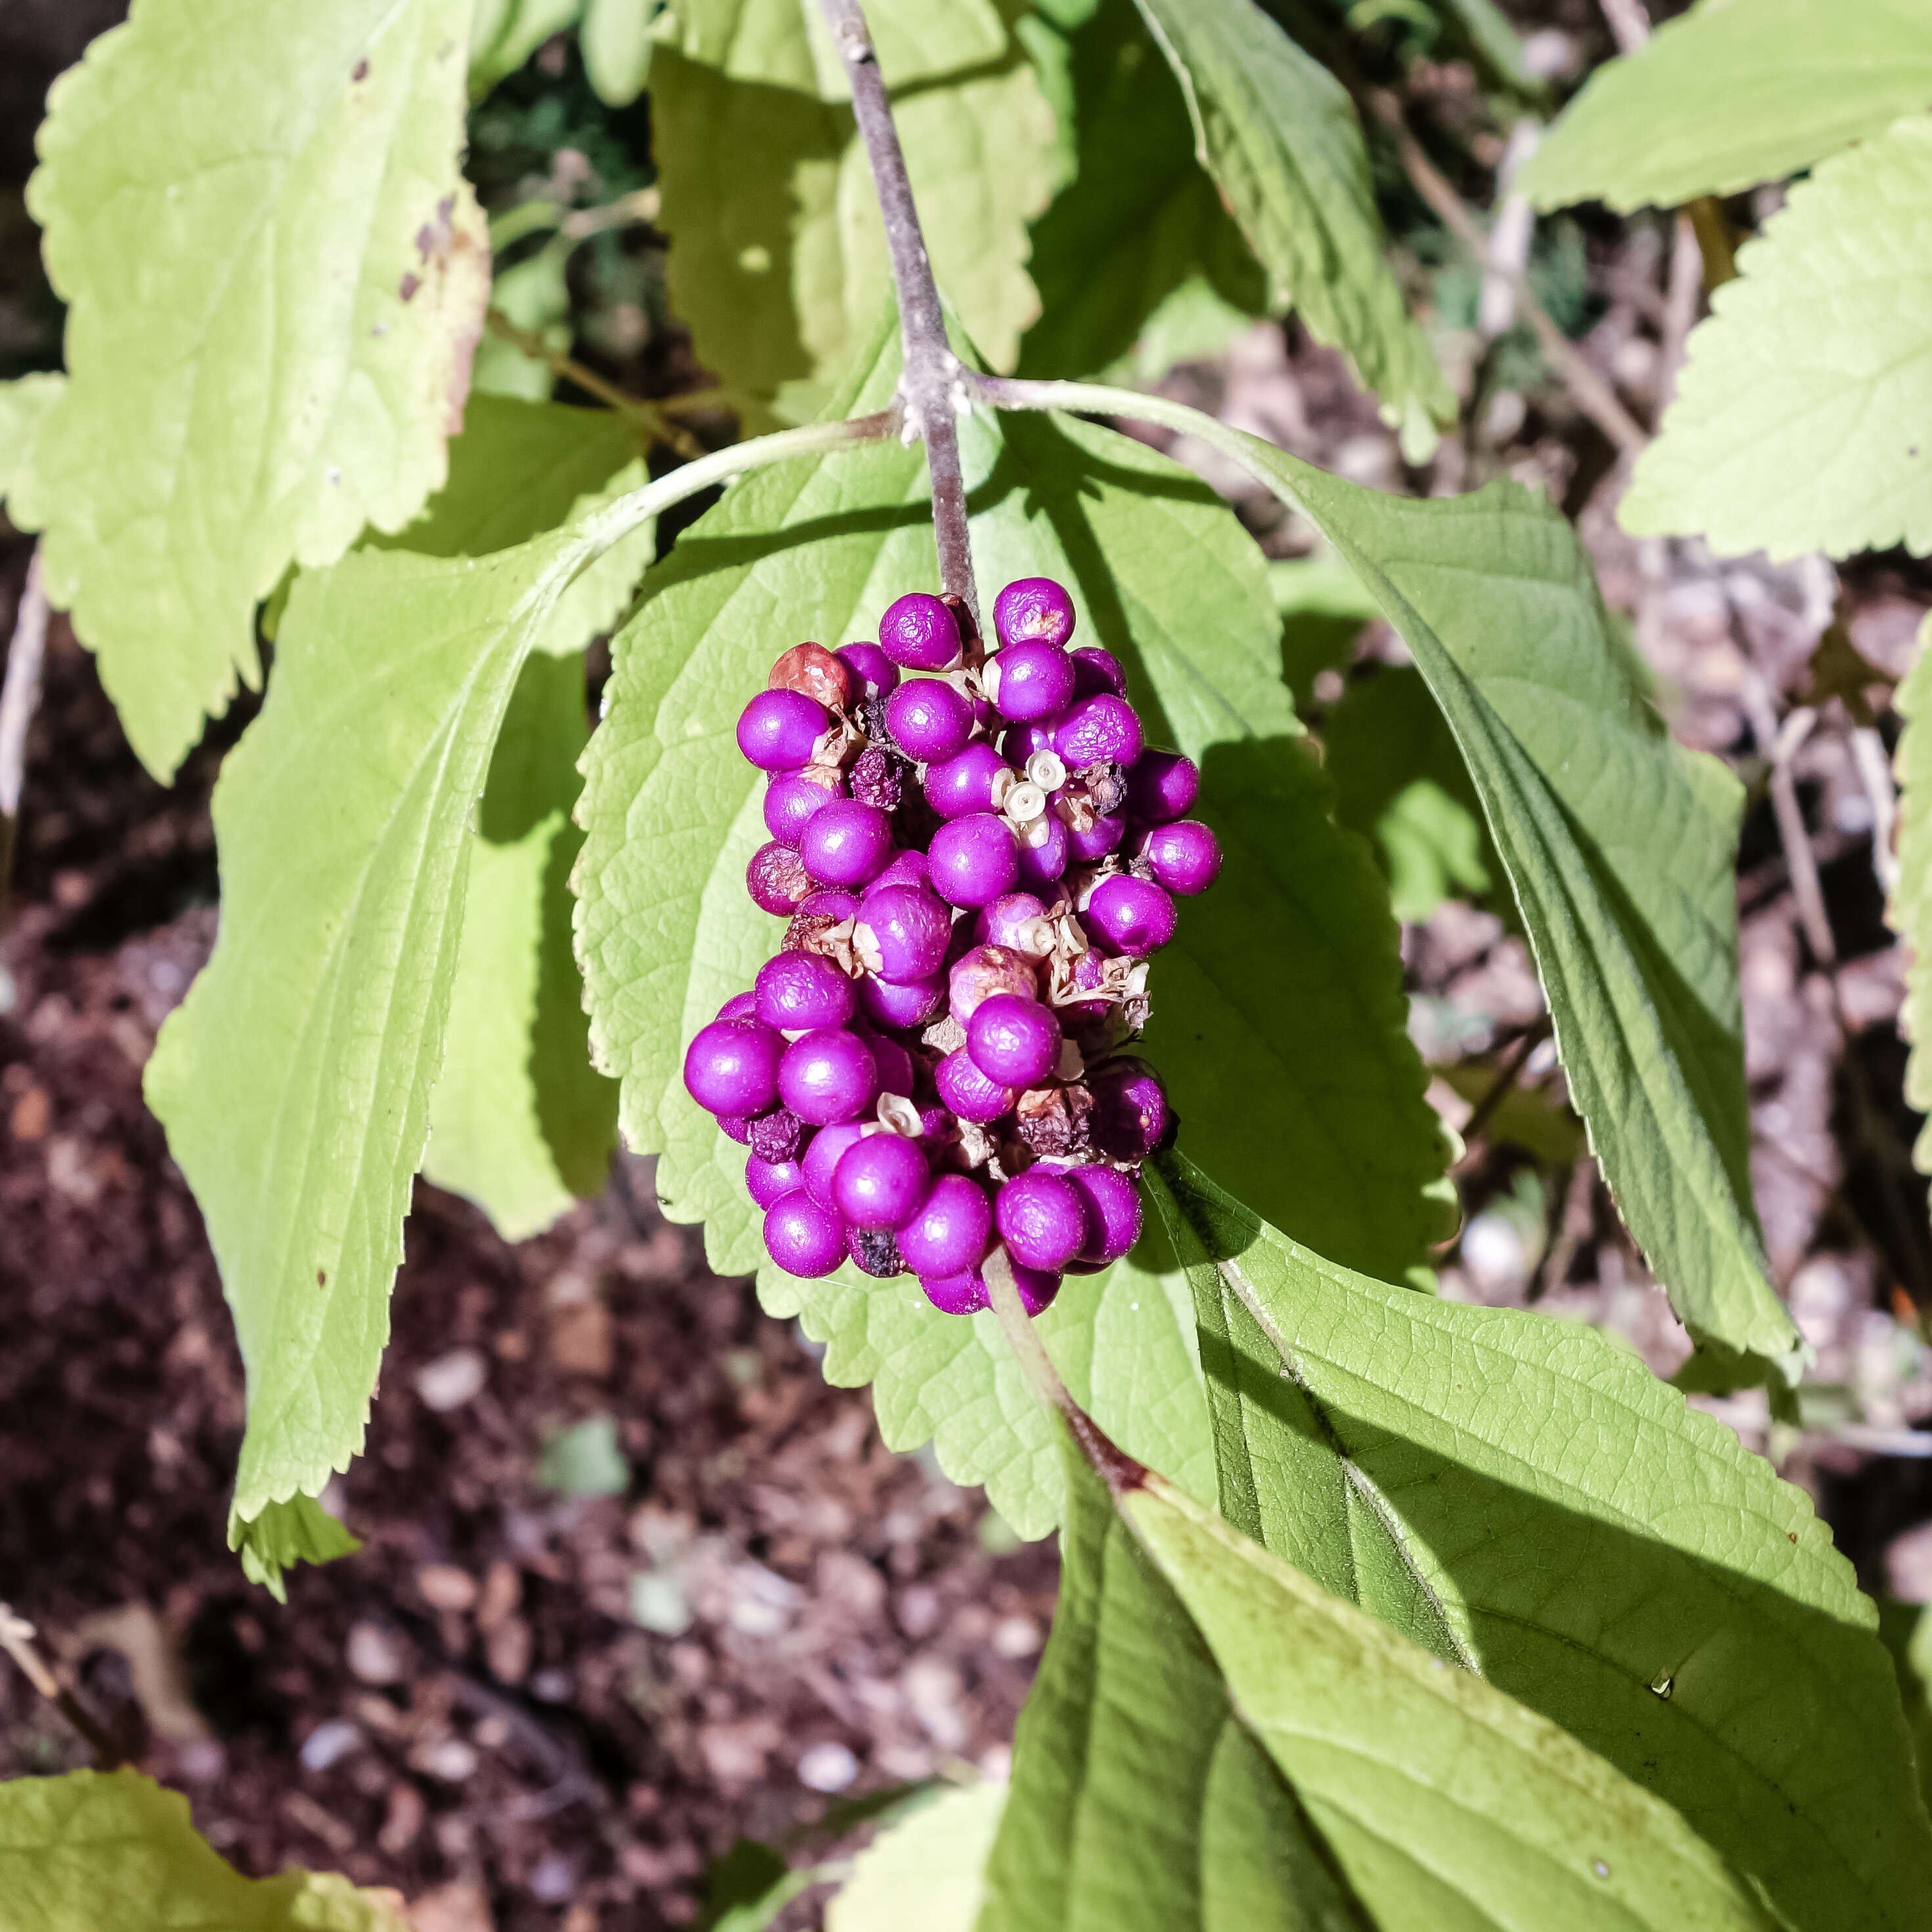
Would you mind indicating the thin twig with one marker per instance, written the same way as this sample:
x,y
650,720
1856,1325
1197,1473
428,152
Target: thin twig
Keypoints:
x,y
1874,770
19,695
1628,23
17,1639
1499,1089
931,385
1593,394
649,414
1507,258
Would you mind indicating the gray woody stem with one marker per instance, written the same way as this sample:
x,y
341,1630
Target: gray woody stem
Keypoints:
x,y
930,389
18,695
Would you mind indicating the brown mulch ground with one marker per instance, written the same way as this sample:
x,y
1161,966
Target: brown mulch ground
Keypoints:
x,y
471,1703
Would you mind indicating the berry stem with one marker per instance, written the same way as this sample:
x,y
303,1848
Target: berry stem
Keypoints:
x,y
1004,1292
931,391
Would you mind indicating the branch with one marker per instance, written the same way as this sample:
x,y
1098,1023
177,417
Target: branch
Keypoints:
x,y
18,696
1593,394
649,414
17,1639
931,386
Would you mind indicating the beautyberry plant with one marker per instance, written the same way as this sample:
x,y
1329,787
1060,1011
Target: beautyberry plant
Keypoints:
x,y
975,867
1379,1611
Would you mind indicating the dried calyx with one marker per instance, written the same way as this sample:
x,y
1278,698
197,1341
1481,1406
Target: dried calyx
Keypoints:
x,y
975,865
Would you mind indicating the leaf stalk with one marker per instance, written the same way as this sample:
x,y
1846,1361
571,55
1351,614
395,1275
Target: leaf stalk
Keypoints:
x,y
932,390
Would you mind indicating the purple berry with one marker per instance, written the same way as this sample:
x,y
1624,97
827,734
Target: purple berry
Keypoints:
x,y
961,1294
1103,836
1031,681
739,1006
732,1067
874,1252
802,1237
776,879
1130,1114
984,972
911,1004
799,990
828,1148
828,1077
1037,1287
1018,742
1041,1219
894,1064
1096,670
1113,1204
1033,607
949,1234
1017,922
881,1183
908,868
779,1137
967,1091
1014,1042
929,719
791,799
778,729
878,676
1132,915
1044,853
736,1127
1184,857
878,778
846,843
918,631
1163,785
902,934
973,859
831,902
1098,731
963,783
770,1181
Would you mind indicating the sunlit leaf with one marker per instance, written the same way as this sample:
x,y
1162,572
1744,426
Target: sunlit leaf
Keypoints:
x,y
285,365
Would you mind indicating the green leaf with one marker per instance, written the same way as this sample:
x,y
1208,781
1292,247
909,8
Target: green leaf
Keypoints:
x,y
294,1080
1400,781
520,1121
520,468
786,44
1684,1614
1137,247
584,1460
1214,1742
779,257
749,1887
112,1852
1279,133
504,34
1909,913
1438,1799
285,1533
1620,847
927,1871
24,402
1803,414
1728,95
617,39
275,277
1163,574
1323,609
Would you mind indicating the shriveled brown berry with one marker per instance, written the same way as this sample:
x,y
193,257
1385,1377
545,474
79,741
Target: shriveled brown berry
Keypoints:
x,y
1054,1121
813,670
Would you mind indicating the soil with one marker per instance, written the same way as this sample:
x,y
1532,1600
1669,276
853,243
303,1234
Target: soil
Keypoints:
x,y
525,1709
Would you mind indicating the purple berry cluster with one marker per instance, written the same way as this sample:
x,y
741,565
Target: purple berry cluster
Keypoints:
x,y
975,865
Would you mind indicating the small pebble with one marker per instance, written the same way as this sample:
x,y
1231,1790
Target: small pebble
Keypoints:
x,y
451,1380
827,1767
328,1743
376,1655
